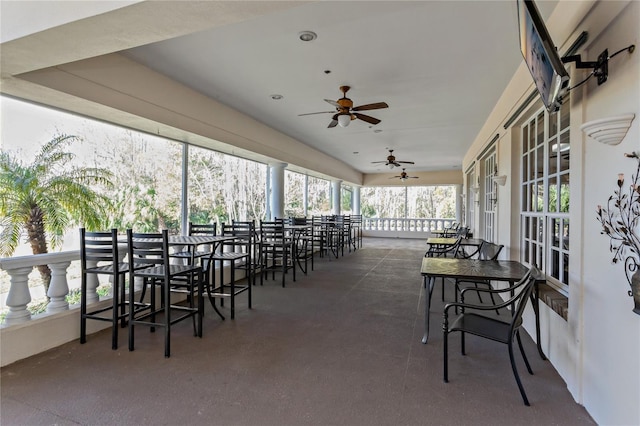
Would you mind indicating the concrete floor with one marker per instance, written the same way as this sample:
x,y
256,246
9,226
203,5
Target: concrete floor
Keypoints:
x,y
340,346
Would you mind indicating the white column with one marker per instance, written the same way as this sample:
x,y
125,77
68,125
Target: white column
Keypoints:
x,y
355,200
335,188
459,217
185,190
18,296
277,189
305,196
58,288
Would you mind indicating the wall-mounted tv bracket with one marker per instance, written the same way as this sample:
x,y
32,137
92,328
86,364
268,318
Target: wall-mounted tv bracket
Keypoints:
x,y
600,67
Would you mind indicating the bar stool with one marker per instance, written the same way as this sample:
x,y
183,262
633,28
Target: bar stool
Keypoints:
x,y
236,260
149,257
101,250
275,247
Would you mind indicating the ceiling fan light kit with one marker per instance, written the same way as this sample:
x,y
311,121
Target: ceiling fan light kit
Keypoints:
x,y
345,111
344,120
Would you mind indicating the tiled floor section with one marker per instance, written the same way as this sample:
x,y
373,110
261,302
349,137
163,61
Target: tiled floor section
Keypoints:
x,y
341,346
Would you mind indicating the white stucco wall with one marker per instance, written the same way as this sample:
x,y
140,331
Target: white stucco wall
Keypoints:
x,y
597,351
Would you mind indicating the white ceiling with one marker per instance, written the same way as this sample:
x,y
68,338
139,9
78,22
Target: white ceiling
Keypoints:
x,y
440,65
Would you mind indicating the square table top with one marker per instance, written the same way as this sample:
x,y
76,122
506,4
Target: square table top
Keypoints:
x,y
500,270
448,241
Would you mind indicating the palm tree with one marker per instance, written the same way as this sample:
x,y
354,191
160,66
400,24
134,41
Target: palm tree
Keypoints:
x,y
45,198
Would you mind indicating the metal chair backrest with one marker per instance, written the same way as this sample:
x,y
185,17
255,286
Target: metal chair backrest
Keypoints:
x,y
527,283
243,228
298,220
489,251
148,249
272,231
202,229
98,247
462,232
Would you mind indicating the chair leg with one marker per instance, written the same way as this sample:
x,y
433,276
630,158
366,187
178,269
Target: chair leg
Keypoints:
x,y
233,289
200,302
517,376
462,344
115,302
167,320
445,358
123,296
524,356
131,304
83,309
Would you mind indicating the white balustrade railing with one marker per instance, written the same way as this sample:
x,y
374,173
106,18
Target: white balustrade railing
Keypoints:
x,y
19,268
406,225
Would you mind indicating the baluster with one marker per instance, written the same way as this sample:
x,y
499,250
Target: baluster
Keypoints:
x,y
58,287
92,283
18,296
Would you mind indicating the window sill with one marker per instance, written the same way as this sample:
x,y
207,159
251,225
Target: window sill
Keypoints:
x,y
557,301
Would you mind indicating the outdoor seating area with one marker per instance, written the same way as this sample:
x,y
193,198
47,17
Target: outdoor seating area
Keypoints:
x,y
182,269
341,346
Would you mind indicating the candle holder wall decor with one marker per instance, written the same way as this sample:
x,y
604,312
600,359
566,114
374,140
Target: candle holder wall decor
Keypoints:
x,y
620,221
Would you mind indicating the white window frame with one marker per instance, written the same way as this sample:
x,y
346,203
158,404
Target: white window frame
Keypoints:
x,y
544,235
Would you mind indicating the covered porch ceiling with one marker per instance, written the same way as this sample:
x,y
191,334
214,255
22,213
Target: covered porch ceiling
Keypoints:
x,y
206,73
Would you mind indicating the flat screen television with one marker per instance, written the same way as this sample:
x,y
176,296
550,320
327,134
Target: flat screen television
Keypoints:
x,y
540,54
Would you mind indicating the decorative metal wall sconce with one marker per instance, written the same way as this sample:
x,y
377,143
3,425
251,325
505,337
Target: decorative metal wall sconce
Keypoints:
x,y
620,220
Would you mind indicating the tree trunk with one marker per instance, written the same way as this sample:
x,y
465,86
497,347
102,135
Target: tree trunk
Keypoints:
x,y
38,240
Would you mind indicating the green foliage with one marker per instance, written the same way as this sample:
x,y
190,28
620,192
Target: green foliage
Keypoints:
x,y
45,198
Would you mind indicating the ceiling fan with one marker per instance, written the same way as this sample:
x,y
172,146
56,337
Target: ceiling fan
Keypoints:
x,y
392,162
404,176
347,112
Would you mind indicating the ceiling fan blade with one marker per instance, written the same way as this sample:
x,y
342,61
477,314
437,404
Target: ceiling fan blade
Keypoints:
x,y
375,162
367,118
321,112
334,103
367,107
334,122
405,162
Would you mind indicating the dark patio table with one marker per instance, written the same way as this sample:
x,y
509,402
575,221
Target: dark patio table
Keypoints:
x,y
473,269
193,241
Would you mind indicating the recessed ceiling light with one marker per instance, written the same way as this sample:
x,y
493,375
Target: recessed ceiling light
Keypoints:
x,y
377,131
307,35
276,97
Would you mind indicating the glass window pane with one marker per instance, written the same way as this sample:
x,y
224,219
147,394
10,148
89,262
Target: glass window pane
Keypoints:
x,y
293,194
540,198
555,264
564,113
540,128
525,139
564,152
565,234
318,198
553,124
553,195
540,160
532,166
564,193
532,135
553,156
